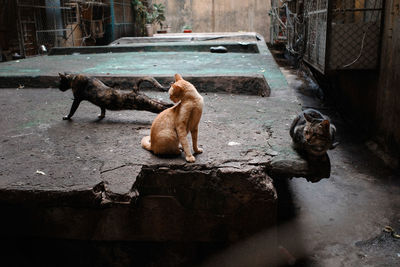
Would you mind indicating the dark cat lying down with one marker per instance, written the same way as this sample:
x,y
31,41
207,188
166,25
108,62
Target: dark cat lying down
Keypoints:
x,y
99,94
313,132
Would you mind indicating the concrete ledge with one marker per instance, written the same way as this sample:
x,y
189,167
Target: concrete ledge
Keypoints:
x,y
159,47
246,84
192,37
205,205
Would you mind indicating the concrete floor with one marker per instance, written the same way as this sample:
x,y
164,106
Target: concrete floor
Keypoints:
x,y
334,222
337,221
340,220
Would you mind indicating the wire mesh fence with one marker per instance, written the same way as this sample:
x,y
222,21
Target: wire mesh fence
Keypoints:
x,y
50,23
278,22
332,34
316,15
123,24
355,34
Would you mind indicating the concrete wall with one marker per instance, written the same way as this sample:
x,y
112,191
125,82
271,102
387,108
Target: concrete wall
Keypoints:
x,y
388,95
355,93
218,15
8,25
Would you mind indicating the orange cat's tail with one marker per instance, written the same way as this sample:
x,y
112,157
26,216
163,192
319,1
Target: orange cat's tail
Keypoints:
x,y
146,143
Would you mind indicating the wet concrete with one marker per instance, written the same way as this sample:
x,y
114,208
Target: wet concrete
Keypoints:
x,y
89,180
339,221
36,138
93,180
86,179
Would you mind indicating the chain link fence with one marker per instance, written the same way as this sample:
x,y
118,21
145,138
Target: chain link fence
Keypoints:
x,y
52,24
355,34
343,34
331,34
64,23
278,22
123,23
316,15
49,23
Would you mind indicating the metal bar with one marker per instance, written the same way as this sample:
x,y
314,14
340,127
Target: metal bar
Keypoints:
x,y
356,9
112,20
59,30
328,39
95,3
55,24
20,32
381,34
45,7
36,35
123,17
72,34
317,12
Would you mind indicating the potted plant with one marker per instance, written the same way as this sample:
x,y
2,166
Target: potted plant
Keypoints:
x,y
149,23
187,29
155,15
140,16
159,16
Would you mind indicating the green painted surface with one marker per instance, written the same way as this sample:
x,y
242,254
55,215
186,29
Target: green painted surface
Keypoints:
x,y
151,63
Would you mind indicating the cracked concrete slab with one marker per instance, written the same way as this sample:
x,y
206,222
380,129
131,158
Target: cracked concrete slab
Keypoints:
x,y
86,163
83,152
93,179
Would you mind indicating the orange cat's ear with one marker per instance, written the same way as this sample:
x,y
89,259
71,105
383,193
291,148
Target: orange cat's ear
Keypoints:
x,y
178,77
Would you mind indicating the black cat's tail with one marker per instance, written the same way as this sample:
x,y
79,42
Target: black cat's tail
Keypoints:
x,y
140,101
151,80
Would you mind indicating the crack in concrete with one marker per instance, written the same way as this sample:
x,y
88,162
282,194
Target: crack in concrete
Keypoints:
x,y
107,197
113,169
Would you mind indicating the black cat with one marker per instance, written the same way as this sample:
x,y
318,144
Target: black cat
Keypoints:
x,y
99,94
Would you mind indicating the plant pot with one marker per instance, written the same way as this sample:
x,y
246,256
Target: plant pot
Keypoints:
x,y
149,30
187,31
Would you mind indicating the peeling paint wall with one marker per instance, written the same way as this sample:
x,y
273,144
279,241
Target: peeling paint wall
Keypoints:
x,y
218,15
388,97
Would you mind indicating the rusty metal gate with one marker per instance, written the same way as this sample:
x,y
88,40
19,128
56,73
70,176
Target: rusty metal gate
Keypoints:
x,y
123,20
343,34
43,22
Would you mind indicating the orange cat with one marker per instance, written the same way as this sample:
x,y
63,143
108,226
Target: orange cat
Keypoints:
x,y
170,127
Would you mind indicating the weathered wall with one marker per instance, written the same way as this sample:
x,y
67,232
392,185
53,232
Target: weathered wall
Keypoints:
x,y
8,26
354,92
388,97
218,15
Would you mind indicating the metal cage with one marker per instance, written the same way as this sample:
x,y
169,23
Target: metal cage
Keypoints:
x,y
343,34
50,23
